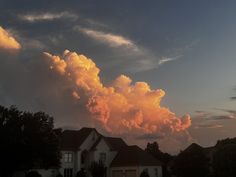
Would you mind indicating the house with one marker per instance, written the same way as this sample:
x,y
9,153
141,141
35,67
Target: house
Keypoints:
x,y
131,161
80,148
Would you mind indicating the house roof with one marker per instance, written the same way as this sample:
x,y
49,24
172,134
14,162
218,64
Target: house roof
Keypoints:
x,y
134,156
193,147
115,144
73,139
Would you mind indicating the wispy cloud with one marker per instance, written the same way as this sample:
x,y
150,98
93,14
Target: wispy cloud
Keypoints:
x,y
110,39
233,98
165,60
26,42
209,116
48,16
138,57
211,126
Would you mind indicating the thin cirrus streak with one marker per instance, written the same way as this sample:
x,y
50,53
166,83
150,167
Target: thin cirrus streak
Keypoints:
x,y
34,17
122,107
112,40
8,42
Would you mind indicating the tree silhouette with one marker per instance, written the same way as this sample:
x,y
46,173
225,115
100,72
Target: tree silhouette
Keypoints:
x,y
144,174
224,159
28,141
191,162
165,158
33,174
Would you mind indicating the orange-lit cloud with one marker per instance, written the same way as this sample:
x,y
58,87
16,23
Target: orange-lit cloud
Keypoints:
x,y
7,42
122,107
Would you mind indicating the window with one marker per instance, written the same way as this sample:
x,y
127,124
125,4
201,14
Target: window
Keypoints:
x,y
156,172
68,157
102,157
68,172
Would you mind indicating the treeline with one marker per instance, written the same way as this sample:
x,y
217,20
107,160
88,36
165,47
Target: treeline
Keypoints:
x,y
196,161
27,141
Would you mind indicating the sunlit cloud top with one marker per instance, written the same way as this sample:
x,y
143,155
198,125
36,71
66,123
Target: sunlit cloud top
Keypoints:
x,y
7,41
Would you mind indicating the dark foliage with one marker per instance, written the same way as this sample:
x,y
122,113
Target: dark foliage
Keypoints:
x,y
191,163
97,169
59,175
81,173
153,148
144,174
28,141
224,159
33,174
165,158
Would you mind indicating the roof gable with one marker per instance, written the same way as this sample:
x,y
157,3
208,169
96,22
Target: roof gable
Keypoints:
x,y
134,156
73,139
115,144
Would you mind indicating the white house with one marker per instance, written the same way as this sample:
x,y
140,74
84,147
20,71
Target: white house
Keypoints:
x,y
82,147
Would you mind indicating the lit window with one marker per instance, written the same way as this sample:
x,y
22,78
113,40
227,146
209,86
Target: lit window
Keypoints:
x,y
102,157
68,157
68,172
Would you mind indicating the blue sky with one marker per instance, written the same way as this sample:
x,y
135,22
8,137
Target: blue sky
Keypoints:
x,y
185,47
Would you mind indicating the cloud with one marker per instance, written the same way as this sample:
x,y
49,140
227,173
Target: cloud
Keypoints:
x,y
222,117
233,98
165,60
7,42
209,116
34,17
211,126
110,39
121,107
135,57
69,88
149,137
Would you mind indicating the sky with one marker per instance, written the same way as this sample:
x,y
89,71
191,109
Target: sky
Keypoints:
x,y
146,71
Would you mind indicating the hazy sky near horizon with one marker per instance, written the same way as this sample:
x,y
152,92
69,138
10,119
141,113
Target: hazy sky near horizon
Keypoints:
x,y
186,47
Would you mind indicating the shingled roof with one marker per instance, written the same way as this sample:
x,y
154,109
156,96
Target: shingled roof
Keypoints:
x,y
115,144
134,156
73,139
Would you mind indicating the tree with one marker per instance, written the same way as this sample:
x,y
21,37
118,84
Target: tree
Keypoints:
x,y
191,162
153,149
33,174
224,159
165,158
81,173
98,169
144,174
28,141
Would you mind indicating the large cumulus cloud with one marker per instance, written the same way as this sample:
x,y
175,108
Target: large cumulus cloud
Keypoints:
x,y
121,107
